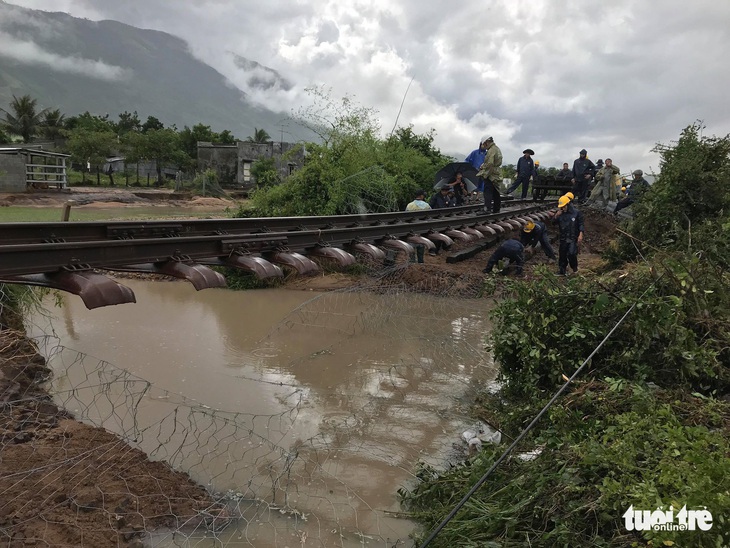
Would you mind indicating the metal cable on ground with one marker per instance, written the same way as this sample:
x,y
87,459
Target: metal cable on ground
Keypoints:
x,y
529,427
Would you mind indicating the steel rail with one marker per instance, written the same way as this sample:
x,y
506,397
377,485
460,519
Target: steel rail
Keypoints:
x,y
33,258
20,259
19,233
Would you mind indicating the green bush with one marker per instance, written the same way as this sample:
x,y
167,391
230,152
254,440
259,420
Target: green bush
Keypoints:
x,y
605,447
264,172
352,170
688,206
676,335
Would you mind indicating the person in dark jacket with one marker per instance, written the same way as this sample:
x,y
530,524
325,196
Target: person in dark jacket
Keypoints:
x,y
583,172
571,226
534,233
441,199
564,175
638,186
525,170
459,187
510,249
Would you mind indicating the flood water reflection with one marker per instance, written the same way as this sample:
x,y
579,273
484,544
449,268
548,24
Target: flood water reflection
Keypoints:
x,y
308,410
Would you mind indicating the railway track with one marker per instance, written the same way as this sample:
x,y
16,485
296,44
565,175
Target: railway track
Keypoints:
x,y
68,256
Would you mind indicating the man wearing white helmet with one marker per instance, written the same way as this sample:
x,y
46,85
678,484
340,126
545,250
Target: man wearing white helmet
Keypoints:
x,y
489,171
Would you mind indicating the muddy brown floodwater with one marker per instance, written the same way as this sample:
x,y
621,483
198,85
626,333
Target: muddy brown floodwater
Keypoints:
x,y
306,411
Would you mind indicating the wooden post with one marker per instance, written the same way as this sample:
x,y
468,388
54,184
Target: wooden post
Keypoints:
x,y
67,211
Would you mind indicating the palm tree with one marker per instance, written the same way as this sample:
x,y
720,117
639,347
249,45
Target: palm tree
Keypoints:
x,y
259,136
52,124
22,118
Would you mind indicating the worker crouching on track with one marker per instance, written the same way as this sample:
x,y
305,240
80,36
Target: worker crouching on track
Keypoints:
x,y
571,225
534,233
509,249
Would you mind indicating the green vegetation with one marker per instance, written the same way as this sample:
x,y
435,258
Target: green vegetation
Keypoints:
x,y
648,422
90,138
688,208
352,170
259,136
603,448
23,118
264,172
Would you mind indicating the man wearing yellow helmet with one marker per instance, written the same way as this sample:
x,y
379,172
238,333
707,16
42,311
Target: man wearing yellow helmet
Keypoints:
x,y
535,232
571,226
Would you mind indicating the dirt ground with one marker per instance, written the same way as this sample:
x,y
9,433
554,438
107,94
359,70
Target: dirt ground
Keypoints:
x,y
465,278
105,197
64,483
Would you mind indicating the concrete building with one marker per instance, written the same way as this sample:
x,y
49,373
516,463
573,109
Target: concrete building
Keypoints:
x,y
233,163
145,168
23,168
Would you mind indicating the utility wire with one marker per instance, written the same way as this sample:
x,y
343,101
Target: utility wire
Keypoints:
x,y
401,107
519,438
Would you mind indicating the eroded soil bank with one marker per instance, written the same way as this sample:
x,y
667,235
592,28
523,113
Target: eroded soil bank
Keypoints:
x,y
65,483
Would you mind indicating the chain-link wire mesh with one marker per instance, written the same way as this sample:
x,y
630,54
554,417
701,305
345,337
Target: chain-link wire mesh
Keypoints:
x,y
348,393
368,191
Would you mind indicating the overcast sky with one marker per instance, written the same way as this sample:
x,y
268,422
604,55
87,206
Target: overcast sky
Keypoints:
x,y
556,76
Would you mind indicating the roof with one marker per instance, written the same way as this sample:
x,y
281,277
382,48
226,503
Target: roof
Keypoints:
x,y
34,151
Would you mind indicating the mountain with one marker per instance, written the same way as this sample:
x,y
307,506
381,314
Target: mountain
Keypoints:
x,y
107,67
260,76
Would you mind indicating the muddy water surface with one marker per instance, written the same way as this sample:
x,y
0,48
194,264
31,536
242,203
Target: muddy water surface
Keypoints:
x,y
308,411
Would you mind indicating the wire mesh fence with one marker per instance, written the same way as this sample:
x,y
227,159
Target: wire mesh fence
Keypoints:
x,y
344,397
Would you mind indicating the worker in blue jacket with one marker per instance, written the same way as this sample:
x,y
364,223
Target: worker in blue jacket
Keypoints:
x,y
534,233
510,249
525,170
583,173
476,158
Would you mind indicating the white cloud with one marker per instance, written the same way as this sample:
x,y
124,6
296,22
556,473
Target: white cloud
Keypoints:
x,y
557,76
30,53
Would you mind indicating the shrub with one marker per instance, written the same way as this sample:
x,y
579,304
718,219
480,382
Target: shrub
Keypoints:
x,y
605,447
688,207
677,335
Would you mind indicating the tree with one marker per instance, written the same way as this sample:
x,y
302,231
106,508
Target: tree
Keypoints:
x,y
189,138
152,123
90,146
508,171
225,137
159,145
90,122
688,206
259,136
22,119
128,122
352,170
52,124
264,172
